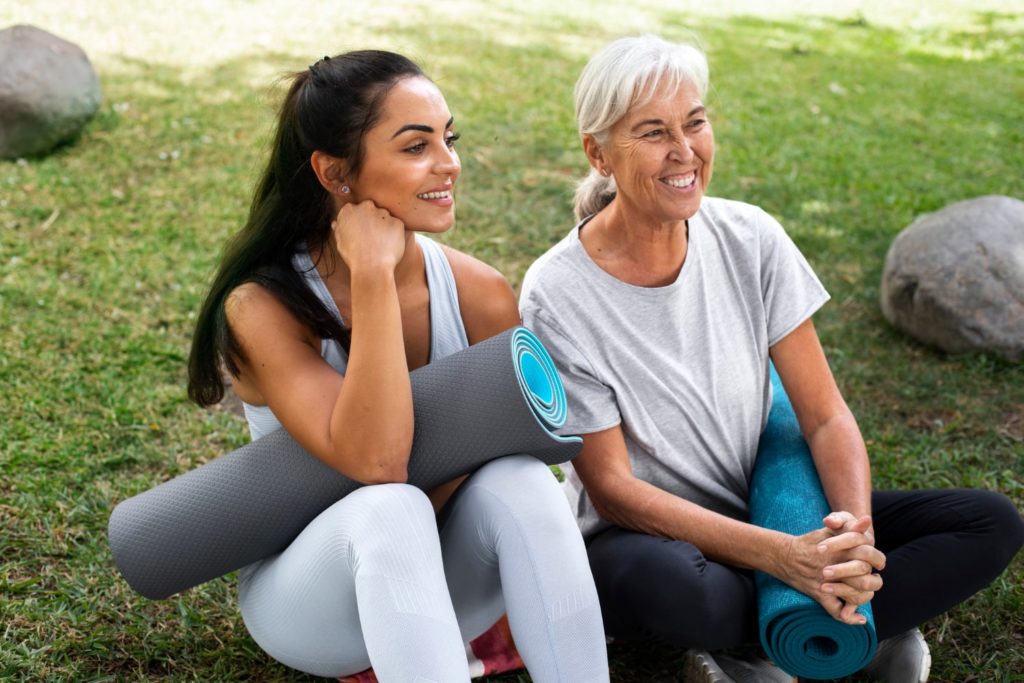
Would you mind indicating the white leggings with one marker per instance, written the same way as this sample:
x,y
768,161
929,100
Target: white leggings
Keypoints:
x,y
373,581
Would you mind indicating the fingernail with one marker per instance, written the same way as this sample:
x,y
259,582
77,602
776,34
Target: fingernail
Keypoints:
x,y
822,547
827,588
828,573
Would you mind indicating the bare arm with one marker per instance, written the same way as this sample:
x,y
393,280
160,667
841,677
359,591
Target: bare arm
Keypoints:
x,y
618,496
360,424
840,459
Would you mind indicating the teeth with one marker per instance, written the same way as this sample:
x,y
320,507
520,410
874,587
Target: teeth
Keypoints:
x,y
435,195
685,181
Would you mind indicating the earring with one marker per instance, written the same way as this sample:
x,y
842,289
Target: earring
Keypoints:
x,y
344,189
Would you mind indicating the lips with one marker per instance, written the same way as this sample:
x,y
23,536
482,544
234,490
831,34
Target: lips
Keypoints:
x,y
682,182
438,194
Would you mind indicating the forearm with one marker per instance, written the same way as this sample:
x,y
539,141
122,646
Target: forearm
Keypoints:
x,y
372,422
637,505
841,460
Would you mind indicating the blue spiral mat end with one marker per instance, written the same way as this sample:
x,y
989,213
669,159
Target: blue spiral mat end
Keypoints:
x,y
786,495
538,379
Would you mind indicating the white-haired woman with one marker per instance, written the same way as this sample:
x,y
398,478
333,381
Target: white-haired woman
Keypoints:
x,y
662,308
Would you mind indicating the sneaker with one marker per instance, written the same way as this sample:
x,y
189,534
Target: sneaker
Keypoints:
x,y
701,667
901,659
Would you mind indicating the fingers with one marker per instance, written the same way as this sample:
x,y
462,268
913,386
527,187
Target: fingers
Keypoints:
x,y
841,611
845,541
857,590
844,521
849,615
837,520
847,570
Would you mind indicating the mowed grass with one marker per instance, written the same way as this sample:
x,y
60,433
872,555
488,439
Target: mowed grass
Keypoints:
x,y
845,126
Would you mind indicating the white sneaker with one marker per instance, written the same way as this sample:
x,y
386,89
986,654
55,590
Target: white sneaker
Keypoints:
x,y
701,667
904,658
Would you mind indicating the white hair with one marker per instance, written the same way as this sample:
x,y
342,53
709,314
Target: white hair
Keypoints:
x,y
626,73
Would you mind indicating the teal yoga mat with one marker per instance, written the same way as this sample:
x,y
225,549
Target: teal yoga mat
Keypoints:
x,y
500,397
786,495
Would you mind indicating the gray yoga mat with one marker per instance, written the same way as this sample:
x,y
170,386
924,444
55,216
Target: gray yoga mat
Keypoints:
x,y
500,397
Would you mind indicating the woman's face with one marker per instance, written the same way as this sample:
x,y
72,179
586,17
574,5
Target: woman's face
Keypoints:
x,y
661,155
410,165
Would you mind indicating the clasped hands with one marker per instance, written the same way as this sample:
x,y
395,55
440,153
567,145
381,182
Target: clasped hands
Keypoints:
x,y
836,565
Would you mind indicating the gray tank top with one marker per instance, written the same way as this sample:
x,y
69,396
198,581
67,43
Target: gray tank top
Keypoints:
x,y
447,333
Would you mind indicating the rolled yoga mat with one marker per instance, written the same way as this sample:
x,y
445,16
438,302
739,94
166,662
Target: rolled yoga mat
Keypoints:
x,y
786,495
500,397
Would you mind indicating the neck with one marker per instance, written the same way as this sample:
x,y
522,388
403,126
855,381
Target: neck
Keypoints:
x,y
637,248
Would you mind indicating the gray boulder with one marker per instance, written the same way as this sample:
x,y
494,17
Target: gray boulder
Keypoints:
x,y
48,91
955,278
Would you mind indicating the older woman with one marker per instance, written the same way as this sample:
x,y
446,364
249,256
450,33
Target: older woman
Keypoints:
x,y
662,308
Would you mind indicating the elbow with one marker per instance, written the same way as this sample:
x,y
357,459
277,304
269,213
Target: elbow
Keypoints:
x,y
388,465
607,507
385,475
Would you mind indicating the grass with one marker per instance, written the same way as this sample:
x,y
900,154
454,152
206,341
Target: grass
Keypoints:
x,y
845,125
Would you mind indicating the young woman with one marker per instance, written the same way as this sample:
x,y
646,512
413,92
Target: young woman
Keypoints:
x,y
323,304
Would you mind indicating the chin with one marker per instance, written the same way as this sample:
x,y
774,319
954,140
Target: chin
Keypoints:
x,y
434,228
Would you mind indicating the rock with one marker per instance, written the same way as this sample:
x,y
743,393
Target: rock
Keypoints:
x,y
955,278
48,91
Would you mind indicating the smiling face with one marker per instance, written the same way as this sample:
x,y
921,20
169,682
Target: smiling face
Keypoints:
x,y
661,155
410,165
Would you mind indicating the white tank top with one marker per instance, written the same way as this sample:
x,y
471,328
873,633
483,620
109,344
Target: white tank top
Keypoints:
x,y
447,332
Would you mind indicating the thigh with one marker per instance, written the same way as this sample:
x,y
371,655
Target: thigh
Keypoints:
x,y
301,607
652,587
941,547
511,516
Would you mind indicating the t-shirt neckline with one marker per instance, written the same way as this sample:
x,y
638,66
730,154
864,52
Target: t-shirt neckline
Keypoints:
x,y
691,242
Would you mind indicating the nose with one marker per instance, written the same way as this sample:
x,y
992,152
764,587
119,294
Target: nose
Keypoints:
x,y
448,163
681,149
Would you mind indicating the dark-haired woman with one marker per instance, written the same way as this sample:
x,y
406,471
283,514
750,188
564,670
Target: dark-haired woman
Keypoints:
x,y
322,305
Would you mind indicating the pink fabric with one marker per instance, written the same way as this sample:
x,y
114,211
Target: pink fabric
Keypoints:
x,y
493,652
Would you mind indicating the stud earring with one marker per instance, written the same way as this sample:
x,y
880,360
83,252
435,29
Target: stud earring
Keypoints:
x,y
344,189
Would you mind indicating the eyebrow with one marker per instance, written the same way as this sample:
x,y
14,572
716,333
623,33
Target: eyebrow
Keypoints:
x,y
659,122
423,128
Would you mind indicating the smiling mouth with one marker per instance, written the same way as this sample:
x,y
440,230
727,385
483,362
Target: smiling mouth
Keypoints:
x,y
446,194
681,182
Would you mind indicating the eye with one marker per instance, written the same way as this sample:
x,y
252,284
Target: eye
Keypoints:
x,y
654,134
452,139
416,148
697,124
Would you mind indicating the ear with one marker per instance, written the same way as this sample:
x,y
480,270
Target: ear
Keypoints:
x,y
595,155
330,171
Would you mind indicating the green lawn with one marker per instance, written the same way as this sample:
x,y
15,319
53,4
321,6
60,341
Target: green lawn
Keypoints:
x,y
844,125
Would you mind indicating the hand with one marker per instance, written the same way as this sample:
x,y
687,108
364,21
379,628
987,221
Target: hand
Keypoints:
x,y
847,556
367,236
854,579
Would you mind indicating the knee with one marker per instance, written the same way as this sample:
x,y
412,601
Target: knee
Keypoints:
x,y
525,488
1003,522
672,594
384,517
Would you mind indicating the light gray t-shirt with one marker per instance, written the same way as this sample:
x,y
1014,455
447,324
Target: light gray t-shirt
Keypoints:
x,y
683,368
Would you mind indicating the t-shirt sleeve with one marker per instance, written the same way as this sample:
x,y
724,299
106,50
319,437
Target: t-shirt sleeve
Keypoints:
x,y
790,289
592,403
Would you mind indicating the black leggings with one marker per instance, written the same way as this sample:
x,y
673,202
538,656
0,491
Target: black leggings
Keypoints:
x,y
941,547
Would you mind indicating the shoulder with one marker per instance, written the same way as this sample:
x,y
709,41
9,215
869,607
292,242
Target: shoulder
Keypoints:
x,y
554,270
486,299
733,214
251,309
